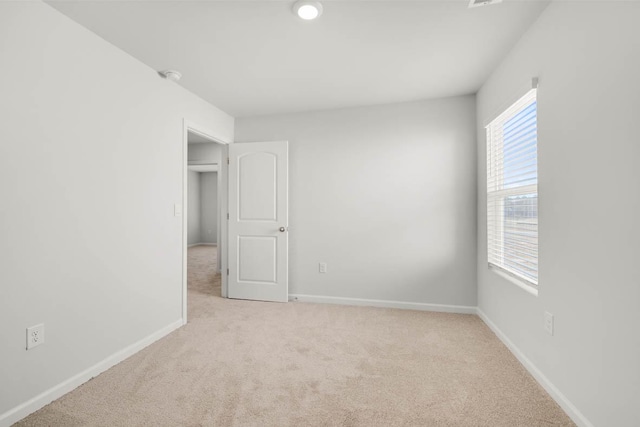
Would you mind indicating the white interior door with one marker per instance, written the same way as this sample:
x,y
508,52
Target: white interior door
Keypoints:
x,y
258,221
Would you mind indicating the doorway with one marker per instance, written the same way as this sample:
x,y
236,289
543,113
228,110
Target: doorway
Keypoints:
x,y
252,221
204,210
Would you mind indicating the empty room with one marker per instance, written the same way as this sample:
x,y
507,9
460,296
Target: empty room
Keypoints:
x,y
320,213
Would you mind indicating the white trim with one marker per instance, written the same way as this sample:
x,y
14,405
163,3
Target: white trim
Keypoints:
x,y
57,391
511,277
200,163
514,191
462,309
553,391
223,209
185,215
534,83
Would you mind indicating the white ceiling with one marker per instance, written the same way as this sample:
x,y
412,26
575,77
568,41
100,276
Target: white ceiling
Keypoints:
x,y
255,57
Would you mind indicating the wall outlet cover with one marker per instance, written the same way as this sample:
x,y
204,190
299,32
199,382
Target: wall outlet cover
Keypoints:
x,y
548,322
35,336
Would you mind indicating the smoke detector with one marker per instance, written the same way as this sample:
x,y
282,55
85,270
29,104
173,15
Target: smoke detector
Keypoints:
x,y
172,75
477,3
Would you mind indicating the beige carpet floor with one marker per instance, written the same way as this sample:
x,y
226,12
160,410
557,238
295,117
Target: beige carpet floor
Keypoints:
x,y
243,363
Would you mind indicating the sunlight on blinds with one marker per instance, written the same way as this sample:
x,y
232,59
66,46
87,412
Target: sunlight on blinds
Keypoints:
x,y
512,190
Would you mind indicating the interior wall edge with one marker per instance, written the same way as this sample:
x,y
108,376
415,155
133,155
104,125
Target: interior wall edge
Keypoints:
x,y
30,406
571,410
441,308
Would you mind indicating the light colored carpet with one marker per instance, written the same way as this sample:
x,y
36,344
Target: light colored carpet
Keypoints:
x,y
243,363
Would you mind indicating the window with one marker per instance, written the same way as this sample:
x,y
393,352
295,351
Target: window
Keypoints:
x,y
512,190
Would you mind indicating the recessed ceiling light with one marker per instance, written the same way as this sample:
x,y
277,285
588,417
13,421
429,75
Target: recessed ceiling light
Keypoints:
x,y
307,10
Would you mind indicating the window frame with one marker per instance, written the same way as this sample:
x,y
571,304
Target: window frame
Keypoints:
x,y
496,193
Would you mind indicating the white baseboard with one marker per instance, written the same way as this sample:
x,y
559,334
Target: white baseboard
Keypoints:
x,y
553,391
463,309
202,244
43,399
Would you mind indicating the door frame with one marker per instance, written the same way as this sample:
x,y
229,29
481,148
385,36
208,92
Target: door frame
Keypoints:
x,y
223,199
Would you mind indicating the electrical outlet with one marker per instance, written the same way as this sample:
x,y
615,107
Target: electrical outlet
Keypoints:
x,y
548,322
323,267
35,336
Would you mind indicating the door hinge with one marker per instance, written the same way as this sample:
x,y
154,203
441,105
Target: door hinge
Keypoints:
x,y
227,215
227,271
227,160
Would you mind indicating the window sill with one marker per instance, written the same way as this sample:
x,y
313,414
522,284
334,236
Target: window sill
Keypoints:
x,y
519,283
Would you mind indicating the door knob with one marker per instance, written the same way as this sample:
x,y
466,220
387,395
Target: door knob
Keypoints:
x,y
282,229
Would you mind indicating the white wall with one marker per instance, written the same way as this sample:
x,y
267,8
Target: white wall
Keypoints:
x,y
203,207
205,152
194,220
90,245
586,55
385,195
209,207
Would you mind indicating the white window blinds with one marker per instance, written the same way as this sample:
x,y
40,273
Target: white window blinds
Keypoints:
x,y
512,190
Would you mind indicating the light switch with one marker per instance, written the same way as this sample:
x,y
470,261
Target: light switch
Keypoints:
x,y
177,209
